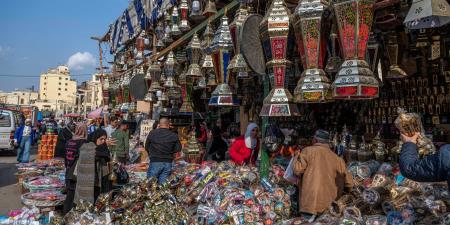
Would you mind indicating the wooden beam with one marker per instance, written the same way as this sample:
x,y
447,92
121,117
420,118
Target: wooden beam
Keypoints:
x,y
186,37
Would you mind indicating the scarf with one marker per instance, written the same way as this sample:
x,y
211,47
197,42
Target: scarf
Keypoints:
x,y
80,132
85,173
249,141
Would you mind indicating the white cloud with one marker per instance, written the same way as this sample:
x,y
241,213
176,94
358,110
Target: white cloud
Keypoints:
x,y
81,61
4,50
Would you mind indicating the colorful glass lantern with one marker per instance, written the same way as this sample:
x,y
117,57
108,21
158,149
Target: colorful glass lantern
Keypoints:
x,y
184,23
238,65
392,49
314,85
354,80
194,53
159,30
222,46
207,61
175,29
155,71
274,33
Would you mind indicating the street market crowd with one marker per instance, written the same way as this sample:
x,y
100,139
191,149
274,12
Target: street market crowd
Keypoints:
x,y
96,153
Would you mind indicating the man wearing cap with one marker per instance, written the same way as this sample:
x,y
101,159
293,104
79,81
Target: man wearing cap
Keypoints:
x,y
322,176
23,137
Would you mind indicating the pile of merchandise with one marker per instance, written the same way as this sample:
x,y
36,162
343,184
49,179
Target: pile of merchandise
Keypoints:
x,y
210,193
383,196
28,216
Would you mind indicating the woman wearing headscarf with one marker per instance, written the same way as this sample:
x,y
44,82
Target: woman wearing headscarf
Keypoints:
x,y
218,146
92,168
244,149
72,149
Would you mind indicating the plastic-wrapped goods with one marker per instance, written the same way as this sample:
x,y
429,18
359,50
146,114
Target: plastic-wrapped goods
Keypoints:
x,y
410,123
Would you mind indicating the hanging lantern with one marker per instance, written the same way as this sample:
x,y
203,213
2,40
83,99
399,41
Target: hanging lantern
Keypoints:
x,y
196,10
354,80
238,65
222,46
167,38
334,62
392,49
170,69
427,14
164,97
210,8
149,97
201,84
155,71
140,46
186,90
148,76
105,90
194,53
207,61
175,30
274,36
126,88
159,30
314,85
184,23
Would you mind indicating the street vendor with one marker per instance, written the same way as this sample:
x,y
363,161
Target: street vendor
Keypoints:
x,y
23,138
162,144
322,176
432,168
121,138
244,149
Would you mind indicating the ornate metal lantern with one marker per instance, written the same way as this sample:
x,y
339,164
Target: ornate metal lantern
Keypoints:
x,y
354,80
314,85
167,37
170,69
159,30
186,89
155,72
140,45
222,46
392,49
207,60
238,65
428,14
210,8
194,53
175,29
274,31
196,10
184,23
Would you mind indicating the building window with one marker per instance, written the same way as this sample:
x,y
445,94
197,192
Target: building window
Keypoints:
x,y
60,78
45,89
66,84
21,101
59,94
45,83
45,78
23,93
59,89
65,89
59,83
67,78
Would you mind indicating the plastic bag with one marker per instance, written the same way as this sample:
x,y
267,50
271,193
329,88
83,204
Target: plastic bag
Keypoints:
x,y
289,173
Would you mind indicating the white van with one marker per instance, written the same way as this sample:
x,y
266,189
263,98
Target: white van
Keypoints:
x,y
9,121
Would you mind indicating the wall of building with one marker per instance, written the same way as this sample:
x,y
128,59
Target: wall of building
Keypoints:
x,y
57,89
19,97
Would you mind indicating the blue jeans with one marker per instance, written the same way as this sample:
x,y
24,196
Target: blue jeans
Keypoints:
x,y
160,170
23,154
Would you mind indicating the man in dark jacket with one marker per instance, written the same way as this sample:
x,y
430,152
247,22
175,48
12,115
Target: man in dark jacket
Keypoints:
x,y
432,168
161,145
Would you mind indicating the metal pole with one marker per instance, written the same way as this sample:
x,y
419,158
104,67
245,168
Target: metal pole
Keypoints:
x,y
264,164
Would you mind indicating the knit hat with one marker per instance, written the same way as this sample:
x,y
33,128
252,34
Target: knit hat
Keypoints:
x,y
322,135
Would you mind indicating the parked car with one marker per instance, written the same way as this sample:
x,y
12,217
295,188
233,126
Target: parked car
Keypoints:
x,y
9,121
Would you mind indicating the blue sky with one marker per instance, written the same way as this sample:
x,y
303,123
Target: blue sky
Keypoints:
x,y
39,34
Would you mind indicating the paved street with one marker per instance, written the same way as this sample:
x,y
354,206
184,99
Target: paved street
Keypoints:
x,y
9,191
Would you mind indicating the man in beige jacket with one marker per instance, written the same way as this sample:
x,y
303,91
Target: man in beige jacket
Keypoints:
x,y
323,176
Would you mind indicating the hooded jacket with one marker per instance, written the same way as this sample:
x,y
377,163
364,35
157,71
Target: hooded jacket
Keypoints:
x,y
432,168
